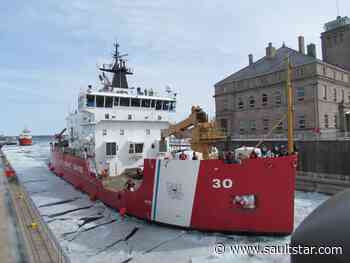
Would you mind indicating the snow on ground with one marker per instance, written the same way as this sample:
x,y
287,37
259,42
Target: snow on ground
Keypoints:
x,y
91,232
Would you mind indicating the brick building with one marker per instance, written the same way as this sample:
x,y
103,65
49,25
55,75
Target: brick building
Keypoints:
x,y
251,101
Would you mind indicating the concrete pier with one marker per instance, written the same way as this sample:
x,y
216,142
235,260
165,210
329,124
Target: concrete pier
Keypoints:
x,y
24,235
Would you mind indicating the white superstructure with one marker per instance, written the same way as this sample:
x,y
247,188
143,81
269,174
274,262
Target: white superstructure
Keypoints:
x,y
118,126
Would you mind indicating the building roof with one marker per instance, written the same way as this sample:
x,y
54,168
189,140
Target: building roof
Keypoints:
x,y
268,65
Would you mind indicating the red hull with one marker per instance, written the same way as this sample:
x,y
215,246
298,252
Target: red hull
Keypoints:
x,y
25,141
270,181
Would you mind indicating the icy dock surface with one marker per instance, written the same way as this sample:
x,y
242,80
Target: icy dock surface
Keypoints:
x,y
91,232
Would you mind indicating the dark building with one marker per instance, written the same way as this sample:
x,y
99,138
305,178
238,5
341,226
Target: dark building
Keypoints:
x,y
336,42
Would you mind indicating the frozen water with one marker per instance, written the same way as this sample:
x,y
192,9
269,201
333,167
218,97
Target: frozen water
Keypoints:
x,y
105,237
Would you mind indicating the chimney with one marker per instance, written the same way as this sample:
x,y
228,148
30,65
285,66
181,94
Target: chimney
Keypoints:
x,y
301,41
270,51
251,59
311,50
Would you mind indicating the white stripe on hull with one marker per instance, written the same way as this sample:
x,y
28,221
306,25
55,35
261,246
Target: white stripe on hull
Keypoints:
x,y
174,190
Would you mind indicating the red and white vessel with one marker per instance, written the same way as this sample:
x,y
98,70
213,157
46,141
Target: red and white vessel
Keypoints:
x,y
25,138
112,150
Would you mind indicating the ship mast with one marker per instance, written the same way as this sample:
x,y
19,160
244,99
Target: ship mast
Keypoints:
x,y
290,112
119,69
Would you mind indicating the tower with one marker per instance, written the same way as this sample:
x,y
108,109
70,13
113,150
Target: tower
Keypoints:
x,y
336,42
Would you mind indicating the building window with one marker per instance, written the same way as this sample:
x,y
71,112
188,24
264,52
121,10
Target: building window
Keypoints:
x,y
107,116
334,74
279,127
159,118
252,125
129,116
278,98
342,95
122,132
300,94
242,126
111,149
326,123
301,122
264,99
223,124
240,104
325,92
349,97
104,132
148,132
324,70
251,101
266,124
335,121
335,94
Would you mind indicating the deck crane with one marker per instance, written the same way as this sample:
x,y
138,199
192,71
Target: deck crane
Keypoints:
x,y
203,132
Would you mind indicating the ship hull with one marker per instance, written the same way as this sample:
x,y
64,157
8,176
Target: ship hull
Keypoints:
x,y
25,141
256,196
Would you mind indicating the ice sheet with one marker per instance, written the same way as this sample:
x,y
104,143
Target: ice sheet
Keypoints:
x,y
109,238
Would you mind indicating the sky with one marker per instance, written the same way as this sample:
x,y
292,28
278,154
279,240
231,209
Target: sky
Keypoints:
x,y
49,49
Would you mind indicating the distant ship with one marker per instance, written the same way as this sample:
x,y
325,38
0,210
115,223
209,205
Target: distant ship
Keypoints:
x,y
25,138
117,148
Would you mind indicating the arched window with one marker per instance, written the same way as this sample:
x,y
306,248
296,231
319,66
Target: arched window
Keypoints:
x,y
264,99
240,103
251,102
278,98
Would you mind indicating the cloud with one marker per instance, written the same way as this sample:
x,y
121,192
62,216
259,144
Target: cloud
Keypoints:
x,y
49,48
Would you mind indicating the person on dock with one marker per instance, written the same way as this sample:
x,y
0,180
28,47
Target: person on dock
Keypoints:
x,y
183,156
194,156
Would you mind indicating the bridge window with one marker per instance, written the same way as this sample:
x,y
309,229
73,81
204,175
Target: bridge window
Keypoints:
x,y
124,102
116,101
135,148
100,101
90,101
153,104
111,149
146,103
158,105
138,147
166,105
109,102
135,102
172,106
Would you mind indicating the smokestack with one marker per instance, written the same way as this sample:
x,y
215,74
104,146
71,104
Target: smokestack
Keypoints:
x,y
251,59
270,51
301,41
311,50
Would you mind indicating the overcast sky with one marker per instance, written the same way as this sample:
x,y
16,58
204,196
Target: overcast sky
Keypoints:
x,y
49,49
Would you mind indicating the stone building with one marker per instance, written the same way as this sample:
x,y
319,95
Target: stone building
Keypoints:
x,y
251,101
336,42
